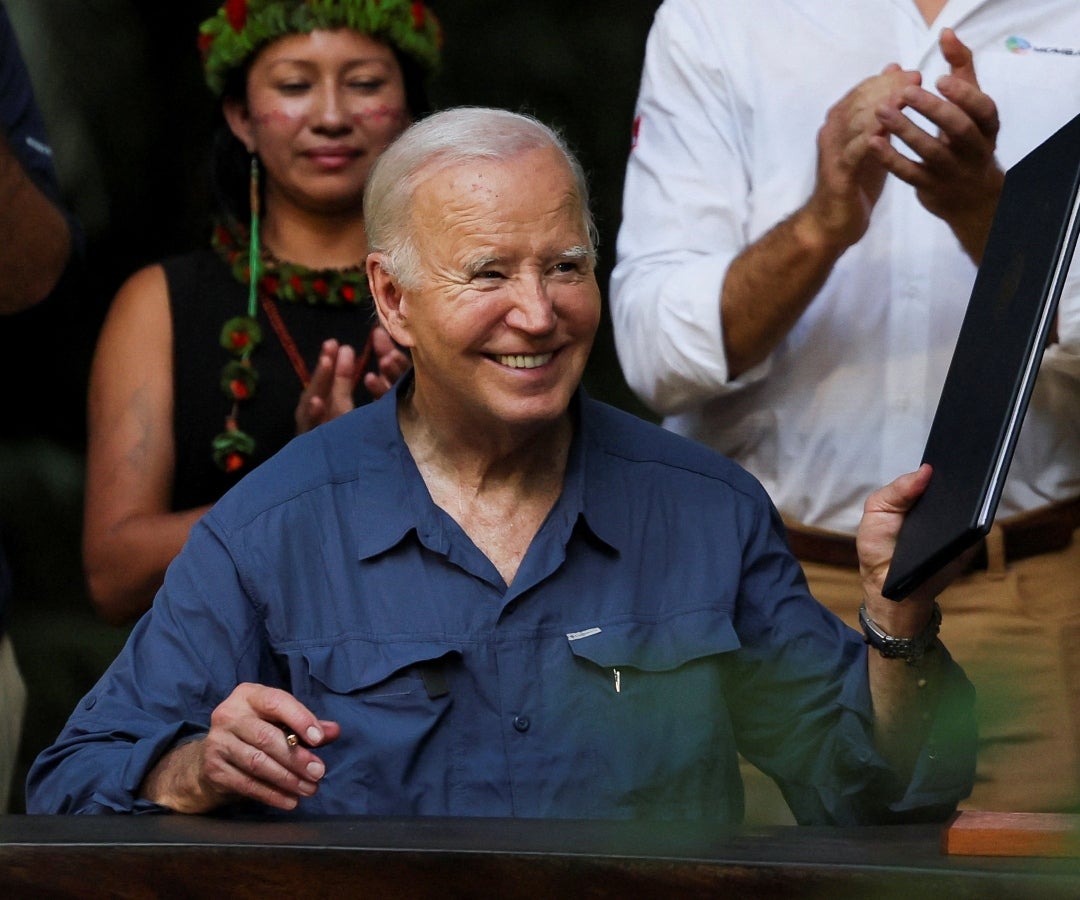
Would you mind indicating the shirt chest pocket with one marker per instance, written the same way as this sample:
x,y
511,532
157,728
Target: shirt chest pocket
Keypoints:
x,y
663,669
353,675
650,709
392,701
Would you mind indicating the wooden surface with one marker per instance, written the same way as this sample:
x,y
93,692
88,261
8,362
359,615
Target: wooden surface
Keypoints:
x,y
1012,834
175,856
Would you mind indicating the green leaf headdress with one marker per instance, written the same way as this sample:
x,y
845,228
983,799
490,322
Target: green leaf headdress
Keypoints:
x,y
241,27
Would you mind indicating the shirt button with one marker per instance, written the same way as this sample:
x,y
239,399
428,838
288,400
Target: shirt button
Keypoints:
x,y
521,723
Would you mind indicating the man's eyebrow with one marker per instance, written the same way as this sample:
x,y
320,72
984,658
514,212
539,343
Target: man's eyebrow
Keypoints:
x,y
478,265
578,253
475,266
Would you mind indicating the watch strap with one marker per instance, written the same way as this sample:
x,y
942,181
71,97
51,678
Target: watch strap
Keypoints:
x,y
910,649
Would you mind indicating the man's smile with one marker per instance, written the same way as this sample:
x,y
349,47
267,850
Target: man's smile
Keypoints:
x,y
523,360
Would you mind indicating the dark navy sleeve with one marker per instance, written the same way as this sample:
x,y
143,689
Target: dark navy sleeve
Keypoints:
x,y
20,116
23,126
182,659
804,713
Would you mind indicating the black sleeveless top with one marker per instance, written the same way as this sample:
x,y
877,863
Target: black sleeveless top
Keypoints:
x,y
203,294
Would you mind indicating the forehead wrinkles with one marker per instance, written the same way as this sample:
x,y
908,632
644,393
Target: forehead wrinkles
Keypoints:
x,y
477,199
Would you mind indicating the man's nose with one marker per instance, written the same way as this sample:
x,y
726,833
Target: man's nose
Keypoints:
x,y
533,309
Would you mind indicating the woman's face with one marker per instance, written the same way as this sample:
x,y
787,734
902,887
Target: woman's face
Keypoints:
x,y
320,109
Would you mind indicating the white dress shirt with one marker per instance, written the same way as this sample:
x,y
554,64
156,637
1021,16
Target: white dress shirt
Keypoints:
x,y
732,96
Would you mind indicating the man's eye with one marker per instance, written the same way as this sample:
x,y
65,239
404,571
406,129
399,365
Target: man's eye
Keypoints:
x,y
489,274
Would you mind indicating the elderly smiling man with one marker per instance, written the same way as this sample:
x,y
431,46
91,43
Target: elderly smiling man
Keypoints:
x,y
490,595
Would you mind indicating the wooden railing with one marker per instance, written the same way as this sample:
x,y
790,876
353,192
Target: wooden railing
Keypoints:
x,y
178,856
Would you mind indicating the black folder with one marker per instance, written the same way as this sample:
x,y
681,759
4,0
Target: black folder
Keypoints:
x,y
988,386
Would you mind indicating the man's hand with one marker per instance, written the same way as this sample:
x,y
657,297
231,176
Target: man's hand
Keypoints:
x,y
883,514
772,281
245,755
849,177
955,175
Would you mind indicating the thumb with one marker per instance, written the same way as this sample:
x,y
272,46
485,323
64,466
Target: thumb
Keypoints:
x,y
958,55
899,495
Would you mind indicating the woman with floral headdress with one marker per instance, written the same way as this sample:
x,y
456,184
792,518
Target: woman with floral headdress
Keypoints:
x,y
210,362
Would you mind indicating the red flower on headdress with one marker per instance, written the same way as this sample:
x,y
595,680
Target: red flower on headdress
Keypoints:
x,y
206,41
269,283
419,16
236,12
297,284
320,287
349,293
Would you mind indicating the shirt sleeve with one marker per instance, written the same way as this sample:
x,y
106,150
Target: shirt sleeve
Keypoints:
x,y
804,713
685,203
21,119
200,635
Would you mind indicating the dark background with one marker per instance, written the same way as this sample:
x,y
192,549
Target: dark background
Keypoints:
x,y
130,117
130,122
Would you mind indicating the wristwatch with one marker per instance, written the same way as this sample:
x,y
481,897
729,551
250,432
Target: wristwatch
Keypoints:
x,y
911,649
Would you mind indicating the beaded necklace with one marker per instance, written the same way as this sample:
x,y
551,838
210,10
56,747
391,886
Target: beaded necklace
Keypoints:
x,y
274,281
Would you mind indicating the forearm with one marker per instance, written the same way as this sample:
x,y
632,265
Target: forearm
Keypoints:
x,y
770,285
174,781
37,241
126,562
904,693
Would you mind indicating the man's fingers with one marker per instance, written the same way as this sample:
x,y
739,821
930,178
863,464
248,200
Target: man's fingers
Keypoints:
x,y
959,56
280,708
246,752
899,495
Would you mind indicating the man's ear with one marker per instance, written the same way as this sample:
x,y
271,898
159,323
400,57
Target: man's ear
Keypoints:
x,y
390,301
239,121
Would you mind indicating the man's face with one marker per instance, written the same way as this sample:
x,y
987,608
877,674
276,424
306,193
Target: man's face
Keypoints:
x,y
507,305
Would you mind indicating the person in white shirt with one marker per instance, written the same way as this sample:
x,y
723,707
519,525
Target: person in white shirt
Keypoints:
x,y
806,203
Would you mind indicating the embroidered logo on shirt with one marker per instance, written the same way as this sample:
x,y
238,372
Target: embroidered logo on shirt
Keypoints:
x,y
1021,45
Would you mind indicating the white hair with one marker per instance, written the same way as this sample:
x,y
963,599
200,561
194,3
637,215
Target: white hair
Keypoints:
x,y
436,142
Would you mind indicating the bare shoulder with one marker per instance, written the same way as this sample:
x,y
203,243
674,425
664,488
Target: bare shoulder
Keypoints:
x,y
138,317
142,298
135,345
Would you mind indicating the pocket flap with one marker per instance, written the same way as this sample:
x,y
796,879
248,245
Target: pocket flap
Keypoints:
x,y
356,665
656,646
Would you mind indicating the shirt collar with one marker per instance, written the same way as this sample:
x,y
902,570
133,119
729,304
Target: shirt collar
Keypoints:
x,y
604,503
395,500
387,477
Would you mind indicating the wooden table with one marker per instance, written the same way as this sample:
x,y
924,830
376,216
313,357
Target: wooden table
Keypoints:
x,y
177,856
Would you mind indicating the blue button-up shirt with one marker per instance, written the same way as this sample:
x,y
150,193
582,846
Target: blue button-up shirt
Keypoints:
x,y
657,625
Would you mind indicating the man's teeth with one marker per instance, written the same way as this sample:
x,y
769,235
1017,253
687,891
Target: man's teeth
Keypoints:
x,y
522,361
